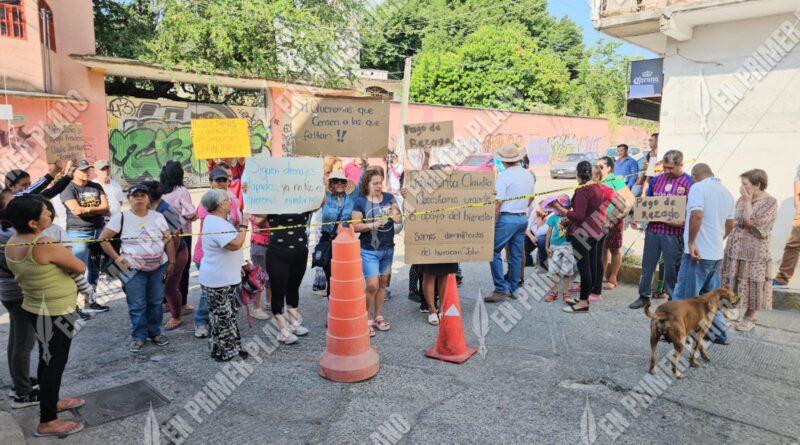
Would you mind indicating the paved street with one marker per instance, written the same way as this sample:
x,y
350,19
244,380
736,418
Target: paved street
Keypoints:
x,y
539,382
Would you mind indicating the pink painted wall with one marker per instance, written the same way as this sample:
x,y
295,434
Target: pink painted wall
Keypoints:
x,y
28,135
545,137
22,58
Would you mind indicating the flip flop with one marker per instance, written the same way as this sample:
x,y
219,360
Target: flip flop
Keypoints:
x,y
172,324
381,324
433,319
609,285
68,404
64,429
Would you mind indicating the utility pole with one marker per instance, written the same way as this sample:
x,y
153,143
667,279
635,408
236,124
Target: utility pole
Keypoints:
x,y
400,143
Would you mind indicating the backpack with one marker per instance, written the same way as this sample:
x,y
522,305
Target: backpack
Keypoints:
x,y
253,281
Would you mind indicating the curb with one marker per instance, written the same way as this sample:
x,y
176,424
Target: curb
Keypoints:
x,y
10,431
782,299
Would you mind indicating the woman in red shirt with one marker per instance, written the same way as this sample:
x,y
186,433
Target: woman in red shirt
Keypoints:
x,y
587,233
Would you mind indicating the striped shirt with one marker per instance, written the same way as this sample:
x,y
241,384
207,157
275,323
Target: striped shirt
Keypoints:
x,y
663,185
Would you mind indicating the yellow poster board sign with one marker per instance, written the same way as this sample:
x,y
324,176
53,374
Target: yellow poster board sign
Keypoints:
x,y
220,138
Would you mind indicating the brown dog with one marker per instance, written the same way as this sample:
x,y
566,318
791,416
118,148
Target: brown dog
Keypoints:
x,y
676,319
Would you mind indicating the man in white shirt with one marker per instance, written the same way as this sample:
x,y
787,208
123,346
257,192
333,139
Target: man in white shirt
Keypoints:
x,y
511,220
112,188
710,213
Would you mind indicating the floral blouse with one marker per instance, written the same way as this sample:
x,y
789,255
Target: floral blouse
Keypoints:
x,y
753,243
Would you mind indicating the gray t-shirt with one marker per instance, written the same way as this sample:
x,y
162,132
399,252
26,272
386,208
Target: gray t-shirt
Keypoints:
x,y
9,289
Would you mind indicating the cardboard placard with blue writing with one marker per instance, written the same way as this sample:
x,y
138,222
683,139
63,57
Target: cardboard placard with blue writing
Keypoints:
x,y
340,126
283,185
449,236
660,209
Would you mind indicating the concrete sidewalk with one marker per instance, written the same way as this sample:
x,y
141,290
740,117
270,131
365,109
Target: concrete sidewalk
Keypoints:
x,y
546,377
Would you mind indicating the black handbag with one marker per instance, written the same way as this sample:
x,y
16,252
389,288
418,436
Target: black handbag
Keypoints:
x,y
323,252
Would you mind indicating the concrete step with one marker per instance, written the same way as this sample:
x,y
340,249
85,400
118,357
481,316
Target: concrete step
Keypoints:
x,y
782,299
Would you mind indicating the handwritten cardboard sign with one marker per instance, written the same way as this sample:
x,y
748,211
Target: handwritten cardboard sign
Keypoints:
x,y
451,236
660,208
283,185
435,134
220,138
340,126
64,142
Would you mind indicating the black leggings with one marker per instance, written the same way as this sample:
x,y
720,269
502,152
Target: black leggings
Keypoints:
x,y
53,355
589,253
184,286
286,269
598,266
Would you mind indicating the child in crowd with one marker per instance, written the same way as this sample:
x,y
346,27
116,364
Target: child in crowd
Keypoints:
x,y
59,234
536,237
559,249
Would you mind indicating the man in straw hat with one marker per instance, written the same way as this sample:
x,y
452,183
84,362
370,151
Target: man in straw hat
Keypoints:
x,y
511,220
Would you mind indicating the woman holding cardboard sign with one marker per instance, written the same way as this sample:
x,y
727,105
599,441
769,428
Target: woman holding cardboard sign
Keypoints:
x,y
381,212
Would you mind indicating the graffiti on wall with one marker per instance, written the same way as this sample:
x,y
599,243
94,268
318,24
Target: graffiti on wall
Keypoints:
x,y
144,134
541,149
546,149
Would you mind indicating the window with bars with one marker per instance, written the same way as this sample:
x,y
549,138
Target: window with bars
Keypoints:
x,y
12,19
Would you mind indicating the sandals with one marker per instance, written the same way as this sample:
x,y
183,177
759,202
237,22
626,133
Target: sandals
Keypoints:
x,y
381,324
186,310
370,325
172,323
571,309
569,300
746,325
610,285
552,297
61,428
433,319
68,404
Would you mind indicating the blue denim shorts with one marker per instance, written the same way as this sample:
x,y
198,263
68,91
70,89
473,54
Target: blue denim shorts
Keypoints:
x,y
376,262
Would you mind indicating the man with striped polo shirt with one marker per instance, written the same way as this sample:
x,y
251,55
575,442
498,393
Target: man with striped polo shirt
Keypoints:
x,y
663,238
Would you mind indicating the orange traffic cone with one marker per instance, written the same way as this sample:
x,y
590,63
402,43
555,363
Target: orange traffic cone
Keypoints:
x,y
348,356
451,345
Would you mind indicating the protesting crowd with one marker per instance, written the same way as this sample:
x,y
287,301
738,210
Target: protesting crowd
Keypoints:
x,y
146,241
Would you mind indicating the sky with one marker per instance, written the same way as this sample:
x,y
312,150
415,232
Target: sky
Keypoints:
x,y
580,11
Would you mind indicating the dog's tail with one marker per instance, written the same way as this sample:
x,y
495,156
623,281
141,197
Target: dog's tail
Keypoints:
x,y
652,314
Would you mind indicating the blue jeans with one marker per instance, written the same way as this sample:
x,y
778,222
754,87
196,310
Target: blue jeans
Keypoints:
x,y
144,293
201,313
656,245
81,250
696,279
509,231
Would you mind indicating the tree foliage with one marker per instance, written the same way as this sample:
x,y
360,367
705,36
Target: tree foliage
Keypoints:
x,y
402,28
283,39
509,54
496,67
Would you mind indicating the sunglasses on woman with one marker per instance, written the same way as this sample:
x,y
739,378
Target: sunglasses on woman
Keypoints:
x,y
338,181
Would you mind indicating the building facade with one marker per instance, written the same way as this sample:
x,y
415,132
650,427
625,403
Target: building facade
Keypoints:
x,y
731,95
43,86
